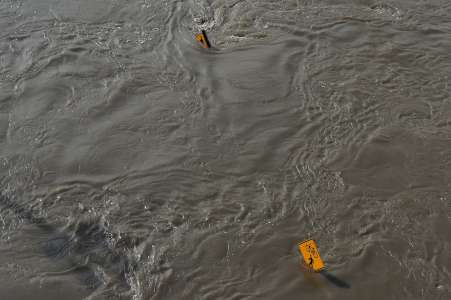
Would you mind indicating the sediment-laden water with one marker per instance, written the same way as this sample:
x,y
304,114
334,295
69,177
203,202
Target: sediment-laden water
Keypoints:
x,y
134,164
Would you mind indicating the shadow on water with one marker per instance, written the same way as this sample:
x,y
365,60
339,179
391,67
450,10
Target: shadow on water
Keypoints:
x,y
84,242
312,278
335,280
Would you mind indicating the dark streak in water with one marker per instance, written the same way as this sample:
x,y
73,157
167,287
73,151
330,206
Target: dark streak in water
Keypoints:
x,y
64,245
335,280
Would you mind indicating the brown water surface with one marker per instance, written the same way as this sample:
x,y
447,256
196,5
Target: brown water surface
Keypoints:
x,y
134,164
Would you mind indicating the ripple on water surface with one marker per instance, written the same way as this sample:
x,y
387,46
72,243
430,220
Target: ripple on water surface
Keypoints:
x,y
137,165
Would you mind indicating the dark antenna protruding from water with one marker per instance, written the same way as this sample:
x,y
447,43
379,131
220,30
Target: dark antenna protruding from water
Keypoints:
x,y
203,39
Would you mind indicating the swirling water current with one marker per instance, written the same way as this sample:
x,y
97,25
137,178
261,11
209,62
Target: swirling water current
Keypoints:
x,y
134,164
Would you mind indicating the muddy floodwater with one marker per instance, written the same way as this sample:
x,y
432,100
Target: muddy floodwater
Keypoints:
x,y
137,165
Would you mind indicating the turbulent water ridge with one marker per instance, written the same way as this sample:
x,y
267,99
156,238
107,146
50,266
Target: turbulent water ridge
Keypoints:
x,y
134,164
